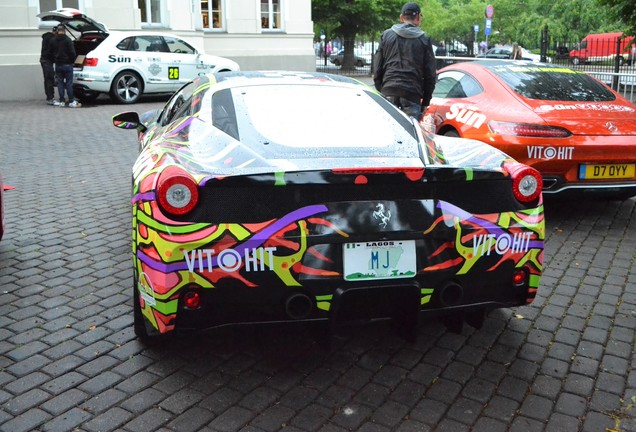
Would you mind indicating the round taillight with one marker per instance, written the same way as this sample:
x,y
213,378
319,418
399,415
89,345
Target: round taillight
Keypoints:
x,y
177,192
519,277
527,183
192,299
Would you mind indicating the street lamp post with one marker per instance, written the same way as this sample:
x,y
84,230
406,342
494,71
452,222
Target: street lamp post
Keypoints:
x,y
323,41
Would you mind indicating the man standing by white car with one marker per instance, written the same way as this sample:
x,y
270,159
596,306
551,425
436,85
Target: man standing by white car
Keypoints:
x,y
63,54
47,66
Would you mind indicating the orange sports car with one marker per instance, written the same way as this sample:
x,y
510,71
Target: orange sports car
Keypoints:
x,y
578,133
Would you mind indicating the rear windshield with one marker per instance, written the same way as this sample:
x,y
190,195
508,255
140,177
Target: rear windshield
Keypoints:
x,y
304,121
552,83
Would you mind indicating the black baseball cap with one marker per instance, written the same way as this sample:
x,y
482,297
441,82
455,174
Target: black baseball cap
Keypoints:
x,y
411,9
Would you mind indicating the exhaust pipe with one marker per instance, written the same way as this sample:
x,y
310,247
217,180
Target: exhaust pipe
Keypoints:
x,y
451,294
299,306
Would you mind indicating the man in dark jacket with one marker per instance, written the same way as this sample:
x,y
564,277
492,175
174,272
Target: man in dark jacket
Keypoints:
x,y
404,67
47,66
63,51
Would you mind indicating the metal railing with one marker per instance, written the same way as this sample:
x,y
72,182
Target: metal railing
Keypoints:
x,y
624,82
325,65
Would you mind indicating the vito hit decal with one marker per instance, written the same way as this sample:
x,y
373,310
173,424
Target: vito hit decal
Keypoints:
x,y
548,153
230,260
484,244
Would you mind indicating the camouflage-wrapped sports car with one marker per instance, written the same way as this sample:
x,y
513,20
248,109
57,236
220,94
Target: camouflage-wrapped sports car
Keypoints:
x,y
277,196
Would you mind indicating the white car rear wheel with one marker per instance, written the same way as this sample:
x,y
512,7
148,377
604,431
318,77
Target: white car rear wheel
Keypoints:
x,y
127,87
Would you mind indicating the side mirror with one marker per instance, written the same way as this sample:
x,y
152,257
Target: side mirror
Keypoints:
x,y
128,120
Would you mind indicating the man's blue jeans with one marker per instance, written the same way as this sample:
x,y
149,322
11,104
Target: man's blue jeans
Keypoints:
x,y
410,108
64,76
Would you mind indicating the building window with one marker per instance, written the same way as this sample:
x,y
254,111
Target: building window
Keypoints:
x,y
150,11
49,5
212,12
270,14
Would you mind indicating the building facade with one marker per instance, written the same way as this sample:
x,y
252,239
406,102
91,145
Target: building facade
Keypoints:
x,y
258,34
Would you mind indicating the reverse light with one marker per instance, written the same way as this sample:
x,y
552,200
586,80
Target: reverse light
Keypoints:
x,y
527,130
177,192
192,299
527,183
90,62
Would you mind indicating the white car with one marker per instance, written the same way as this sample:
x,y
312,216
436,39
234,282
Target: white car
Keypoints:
x,y
505,52
127,64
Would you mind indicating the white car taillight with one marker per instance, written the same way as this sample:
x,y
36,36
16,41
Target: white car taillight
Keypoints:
x,y
90,61
177,192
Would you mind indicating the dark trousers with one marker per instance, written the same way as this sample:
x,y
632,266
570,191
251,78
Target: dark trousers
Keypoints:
x,y
64,77
49,79
410,108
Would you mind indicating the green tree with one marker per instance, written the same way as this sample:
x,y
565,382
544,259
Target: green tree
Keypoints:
x,y
522,20
449,20
351,18
519,21
623,11
570,20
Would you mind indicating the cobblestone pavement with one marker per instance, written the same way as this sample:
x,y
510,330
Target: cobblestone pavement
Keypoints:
x,y
69,359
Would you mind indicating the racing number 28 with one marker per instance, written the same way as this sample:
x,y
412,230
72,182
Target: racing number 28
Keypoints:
x,y
173,73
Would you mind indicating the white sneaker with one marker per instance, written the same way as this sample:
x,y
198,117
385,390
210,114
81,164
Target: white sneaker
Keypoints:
x,y
50,101
74,104
58,103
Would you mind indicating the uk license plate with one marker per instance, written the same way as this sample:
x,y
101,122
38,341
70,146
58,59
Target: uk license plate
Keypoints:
x,y
379,260
606,171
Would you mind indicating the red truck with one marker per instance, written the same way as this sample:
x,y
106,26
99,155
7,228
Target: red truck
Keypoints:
x,y
603,47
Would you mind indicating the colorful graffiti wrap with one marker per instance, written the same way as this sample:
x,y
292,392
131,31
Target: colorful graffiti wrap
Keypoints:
x,y
510,236
169,256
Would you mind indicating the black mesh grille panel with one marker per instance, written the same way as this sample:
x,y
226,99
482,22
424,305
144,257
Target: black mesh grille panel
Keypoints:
x,y
257,203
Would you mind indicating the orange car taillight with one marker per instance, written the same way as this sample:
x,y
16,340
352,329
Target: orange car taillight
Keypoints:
x,y
177,192
527,130
527,183
89,61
